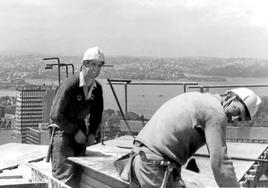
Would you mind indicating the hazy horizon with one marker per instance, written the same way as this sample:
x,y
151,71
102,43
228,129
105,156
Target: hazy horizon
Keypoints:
x,y
26,53
144,28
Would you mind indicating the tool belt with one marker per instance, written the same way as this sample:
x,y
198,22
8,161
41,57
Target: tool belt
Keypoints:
x,y
172,168
124,164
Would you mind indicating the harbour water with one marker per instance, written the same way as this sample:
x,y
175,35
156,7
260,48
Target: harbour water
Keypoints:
x,y
144,99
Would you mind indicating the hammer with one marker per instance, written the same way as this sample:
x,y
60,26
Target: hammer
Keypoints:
x,y
50,145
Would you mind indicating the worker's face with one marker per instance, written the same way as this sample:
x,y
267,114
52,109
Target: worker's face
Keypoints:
x,y
92,68
236,111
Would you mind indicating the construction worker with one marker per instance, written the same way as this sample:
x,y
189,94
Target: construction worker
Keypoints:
x,y
76,116
179,128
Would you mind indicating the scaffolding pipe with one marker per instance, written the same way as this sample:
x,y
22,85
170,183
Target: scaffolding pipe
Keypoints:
x,y
207,156
234,158
72,66
129,82
228,86
119,106
58,60
120,82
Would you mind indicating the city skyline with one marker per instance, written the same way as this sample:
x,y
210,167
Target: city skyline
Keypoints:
x,y
176,28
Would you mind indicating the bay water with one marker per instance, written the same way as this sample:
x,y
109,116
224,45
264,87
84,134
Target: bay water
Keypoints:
x,y
145,99
141,99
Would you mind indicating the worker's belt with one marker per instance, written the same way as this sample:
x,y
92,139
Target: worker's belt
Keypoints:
x,y
124,164
162,158
172,169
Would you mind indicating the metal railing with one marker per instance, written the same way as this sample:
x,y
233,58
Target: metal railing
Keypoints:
x,y
126,83
186,88
205,88
59,65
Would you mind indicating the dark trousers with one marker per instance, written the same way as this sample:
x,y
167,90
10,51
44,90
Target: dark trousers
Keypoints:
x,y
65,146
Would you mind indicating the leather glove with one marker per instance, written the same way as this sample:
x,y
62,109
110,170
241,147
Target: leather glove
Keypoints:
x,y
80,137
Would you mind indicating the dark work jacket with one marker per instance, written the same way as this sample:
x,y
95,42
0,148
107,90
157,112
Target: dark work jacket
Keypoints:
x,y
70,107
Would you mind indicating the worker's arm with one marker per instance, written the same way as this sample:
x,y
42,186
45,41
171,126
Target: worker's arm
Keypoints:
x,y
221,164
57,113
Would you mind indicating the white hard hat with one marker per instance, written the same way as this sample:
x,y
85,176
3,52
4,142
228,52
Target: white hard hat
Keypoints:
x,y
250,99
94,54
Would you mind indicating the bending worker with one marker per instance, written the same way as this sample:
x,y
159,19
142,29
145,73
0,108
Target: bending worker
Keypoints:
x,y
180,127
76,115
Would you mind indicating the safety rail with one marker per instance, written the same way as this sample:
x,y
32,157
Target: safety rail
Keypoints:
x,y
126,82
133,127
205,88
121,129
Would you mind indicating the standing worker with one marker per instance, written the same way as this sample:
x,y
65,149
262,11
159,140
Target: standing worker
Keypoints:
x,y
76,115
179,128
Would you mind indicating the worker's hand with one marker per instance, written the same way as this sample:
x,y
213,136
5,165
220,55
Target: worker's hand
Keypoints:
x,y
80,137
91,140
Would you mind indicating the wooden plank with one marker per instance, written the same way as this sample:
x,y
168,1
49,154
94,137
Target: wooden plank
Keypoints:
x,y
98,165
204,165
10,176
197,180
243,150
250,150
5,182
89,181
26,185
247,133
109,180
104,174
237,150
123,142
100,168
13,154
85,185
40,175
99,159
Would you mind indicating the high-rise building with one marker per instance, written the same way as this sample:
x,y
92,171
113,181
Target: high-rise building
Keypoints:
x,y
33,104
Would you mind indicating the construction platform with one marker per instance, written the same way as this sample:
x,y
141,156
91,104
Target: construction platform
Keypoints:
x,y
23,165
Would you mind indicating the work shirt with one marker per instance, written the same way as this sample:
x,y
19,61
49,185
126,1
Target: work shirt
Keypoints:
x,y
87,87
185,123
71,106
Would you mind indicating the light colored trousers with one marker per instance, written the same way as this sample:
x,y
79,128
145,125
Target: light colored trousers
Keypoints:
x,y
147,171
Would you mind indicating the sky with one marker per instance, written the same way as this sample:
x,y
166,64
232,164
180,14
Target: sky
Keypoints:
x,y
163,28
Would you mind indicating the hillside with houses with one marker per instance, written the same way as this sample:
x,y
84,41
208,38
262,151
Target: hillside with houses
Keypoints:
x,y
16,68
